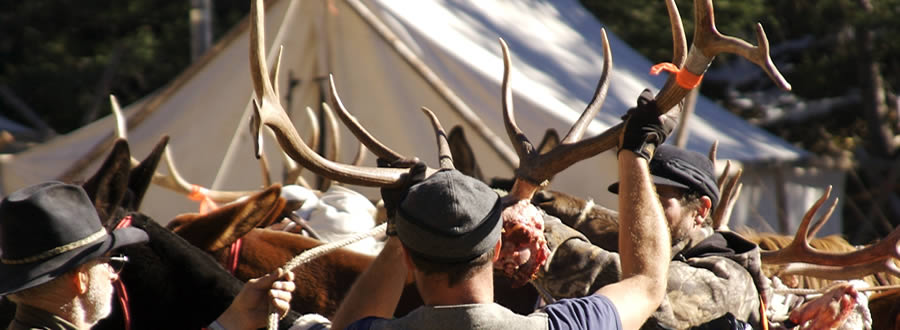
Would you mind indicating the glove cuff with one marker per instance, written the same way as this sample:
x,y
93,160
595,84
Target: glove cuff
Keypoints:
x,y
642,148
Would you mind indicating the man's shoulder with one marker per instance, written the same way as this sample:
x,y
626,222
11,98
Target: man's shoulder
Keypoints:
x,y
483,316
589,312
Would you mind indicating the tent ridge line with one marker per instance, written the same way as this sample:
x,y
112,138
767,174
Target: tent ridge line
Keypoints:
x,y
149,108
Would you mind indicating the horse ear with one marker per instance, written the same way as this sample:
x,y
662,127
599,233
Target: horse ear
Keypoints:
x,y
108,186
223,226
463,155
142,175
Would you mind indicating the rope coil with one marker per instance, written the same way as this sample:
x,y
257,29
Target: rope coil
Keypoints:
x,y
319,251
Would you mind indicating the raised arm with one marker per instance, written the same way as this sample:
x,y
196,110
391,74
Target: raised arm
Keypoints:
x,y
377,291
644,241
644,245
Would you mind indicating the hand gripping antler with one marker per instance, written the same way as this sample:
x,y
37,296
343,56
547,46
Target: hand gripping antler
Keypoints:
x,y
536,168
269,112
707,43
800,251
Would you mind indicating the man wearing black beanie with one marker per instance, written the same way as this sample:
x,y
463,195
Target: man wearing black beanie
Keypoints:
x,y
448,233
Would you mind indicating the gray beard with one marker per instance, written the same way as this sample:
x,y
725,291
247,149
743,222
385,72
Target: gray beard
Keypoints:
x,y
99,301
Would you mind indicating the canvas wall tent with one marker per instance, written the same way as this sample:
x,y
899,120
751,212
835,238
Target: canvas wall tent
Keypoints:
x,y
557,59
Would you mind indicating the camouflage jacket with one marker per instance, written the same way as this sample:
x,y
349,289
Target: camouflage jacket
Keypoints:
x,y
708,277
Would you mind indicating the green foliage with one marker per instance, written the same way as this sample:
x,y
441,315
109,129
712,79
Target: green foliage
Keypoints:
x,y
54,53
828,66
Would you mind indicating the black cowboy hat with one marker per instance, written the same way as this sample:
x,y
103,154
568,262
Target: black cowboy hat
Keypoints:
x,y
48,229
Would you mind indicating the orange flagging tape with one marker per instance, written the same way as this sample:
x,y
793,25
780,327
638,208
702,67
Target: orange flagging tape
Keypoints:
x,y
199,194
684,78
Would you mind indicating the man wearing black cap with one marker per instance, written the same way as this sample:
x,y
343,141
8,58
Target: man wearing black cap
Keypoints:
x,y
55,263
713,277
448,233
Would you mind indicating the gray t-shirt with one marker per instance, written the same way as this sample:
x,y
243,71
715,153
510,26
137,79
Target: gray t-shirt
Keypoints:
x,y
590,312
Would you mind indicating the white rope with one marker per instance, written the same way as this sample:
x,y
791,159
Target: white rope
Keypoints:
x,y
319,251
584,212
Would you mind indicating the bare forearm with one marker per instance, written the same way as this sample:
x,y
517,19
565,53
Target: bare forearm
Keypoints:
x,y
644,242
377,291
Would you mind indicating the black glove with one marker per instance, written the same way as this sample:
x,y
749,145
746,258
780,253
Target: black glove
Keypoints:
x,y
393,196
644,129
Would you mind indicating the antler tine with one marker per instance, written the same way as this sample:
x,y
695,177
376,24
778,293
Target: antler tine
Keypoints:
x,y
679,41
837,273
267,111
587,116
334,147
800,244
258,68
332,153
799,249
444,155
360,155
722,178
121,124
713,149
364,137
293,169
173,181
520,142
708,43
822,219
315,131
698,59
726,217
273,77
726,202
536,169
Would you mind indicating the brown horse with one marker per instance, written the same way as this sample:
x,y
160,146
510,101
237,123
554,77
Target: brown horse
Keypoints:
x,y
323,282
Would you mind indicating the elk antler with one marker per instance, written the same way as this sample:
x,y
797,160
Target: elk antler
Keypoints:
x,y
446,158
267,110
729,196
800,251
713,150
726,202
173,181
364,137
840,272
294,170
121,124
535,168
707,43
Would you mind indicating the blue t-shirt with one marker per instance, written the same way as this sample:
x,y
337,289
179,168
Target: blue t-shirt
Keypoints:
x,y
591,312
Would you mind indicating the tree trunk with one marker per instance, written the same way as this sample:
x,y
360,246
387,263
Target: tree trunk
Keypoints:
x,y
881,137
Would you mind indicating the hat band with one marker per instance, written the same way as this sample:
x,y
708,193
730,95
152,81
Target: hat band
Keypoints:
x,y
58,250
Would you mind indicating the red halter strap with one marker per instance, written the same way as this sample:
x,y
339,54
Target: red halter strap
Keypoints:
x,y
233,253
121,293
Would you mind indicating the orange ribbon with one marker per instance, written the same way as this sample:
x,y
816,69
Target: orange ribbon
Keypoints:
x,y
201,195
684,78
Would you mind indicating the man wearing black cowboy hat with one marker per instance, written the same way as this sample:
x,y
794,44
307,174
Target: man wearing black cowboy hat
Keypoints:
x,y
714,277
55,263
